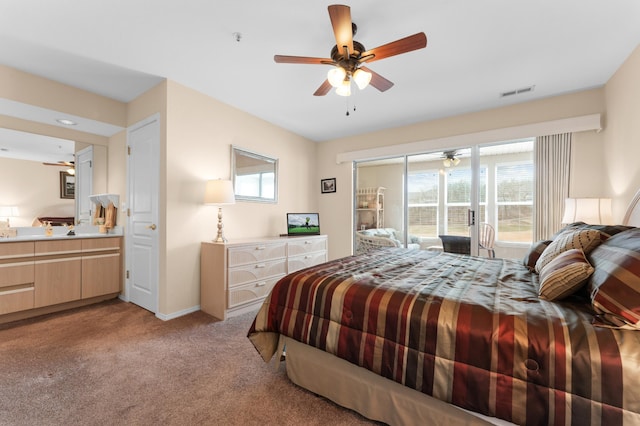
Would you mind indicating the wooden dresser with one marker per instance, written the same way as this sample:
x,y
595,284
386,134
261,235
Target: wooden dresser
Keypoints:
x,y
236,277
43,276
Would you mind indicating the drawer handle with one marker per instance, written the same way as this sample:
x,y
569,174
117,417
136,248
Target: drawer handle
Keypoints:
x,y
308,257
261,284
260,265
260,248
308,242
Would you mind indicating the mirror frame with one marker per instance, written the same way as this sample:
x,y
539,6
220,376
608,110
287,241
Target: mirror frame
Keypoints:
x,y
236,151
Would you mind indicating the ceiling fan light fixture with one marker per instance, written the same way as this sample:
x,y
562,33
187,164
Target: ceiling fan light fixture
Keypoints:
x,y
344,89
336,76
450,159
362,78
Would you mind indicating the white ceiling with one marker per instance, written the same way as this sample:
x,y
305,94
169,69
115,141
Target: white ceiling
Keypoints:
x,y
476,50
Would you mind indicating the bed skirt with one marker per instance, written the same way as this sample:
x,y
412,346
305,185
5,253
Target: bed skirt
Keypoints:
x,y
371,395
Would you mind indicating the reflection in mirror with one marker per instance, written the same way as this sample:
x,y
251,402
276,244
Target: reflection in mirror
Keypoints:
x,y
30,167
255,176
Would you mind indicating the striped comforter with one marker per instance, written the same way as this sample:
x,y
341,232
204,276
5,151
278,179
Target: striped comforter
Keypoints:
x,y
466,330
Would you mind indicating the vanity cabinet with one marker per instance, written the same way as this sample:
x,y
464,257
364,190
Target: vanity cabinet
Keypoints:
x,y
58,270
44,276
236,277
101,267
16,277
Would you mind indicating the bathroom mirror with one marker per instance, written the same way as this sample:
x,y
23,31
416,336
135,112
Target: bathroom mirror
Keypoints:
x,y
30,178
255,176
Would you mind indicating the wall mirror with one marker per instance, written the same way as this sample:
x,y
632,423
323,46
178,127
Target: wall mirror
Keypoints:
x,y
30,177
255,176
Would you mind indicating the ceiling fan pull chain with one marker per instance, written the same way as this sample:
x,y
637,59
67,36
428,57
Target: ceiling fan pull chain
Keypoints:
x,y
346,100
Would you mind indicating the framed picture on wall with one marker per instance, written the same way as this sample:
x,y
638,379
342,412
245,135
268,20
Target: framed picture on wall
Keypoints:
x,y
67,185
328,185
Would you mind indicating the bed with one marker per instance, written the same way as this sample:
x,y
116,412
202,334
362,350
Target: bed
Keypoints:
x,y
423,337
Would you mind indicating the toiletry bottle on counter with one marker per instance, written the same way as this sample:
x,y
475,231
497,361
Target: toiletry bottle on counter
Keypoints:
x,y
48,230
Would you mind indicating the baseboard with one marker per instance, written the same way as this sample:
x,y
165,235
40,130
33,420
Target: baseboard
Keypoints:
x,y
173,315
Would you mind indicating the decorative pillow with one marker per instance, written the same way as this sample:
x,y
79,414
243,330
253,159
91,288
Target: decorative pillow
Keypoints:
x,y
585,240
565,274
534,253
606,231
615,284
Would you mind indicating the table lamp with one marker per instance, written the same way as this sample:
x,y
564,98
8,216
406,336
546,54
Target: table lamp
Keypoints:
x,y
219,192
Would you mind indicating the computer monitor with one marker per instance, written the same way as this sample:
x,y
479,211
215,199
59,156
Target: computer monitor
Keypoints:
x,y
303,224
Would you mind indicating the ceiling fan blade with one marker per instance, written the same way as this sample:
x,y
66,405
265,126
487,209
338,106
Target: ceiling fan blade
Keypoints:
x,y
378,81
341,22
60,164
404,45
323,89
283,59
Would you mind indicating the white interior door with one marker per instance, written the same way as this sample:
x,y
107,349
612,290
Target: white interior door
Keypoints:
x,y
84,185
142,231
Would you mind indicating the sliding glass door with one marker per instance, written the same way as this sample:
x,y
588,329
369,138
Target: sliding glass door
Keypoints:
x,y
467,193
440,189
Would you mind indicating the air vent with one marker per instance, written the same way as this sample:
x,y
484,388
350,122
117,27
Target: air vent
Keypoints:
x,y
517,91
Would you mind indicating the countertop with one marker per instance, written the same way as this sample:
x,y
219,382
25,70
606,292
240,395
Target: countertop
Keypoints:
x,y
60,233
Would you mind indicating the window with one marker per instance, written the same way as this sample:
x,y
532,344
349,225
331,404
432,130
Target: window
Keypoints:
x,y
423,192
514,201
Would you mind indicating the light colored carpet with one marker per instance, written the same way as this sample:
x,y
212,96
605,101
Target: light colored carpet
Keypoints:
x,y
115,363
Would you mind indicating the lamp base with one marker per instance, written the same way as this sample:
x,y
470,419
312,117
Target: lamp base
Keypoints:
x,y
220,237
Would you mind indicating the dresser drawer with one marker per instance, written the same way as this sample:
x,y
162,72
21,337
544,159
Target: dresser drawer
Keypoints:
x,y
300,262
306,245
16,299
256,253
250,292
257,271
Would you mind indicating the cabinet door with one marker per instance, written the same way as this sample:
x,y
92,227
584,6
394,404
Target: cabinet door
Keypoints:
x,y
100,275
57,281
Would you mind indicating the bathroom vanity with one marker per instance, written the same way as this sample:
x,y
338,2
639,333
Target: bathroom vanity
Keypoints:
x,y
39,275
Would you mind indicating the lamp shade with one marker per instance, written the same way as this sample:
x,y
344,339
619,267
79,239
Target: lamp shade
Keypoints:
x,y
8,211
594,211
336,76
344,89
362,78
219,192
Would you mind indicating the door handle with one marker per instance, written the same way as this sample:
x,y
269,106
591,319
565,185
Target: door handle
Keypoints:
x,y
471,217
152,227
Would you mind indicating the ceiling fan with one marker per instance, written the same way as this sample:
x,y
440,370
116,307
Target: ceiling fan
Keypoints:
x,y
349,56
70,165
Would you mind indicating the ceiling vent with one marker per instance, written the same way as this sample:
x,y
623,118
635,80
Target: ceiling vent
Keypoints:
x,y
517,91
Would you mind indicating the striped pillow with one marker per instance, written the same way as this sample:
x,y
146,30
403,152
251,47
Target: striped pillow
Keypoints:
x,y
534,254
615,284
565,274
583,239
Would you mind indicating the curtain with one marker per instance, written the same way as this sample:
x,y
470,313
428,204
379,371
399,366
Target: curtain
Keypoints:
x,y
552,156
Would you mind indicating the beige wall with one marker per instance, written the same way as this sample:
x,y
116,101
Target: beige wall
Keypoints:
x,y
200,131
336,213
622,134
